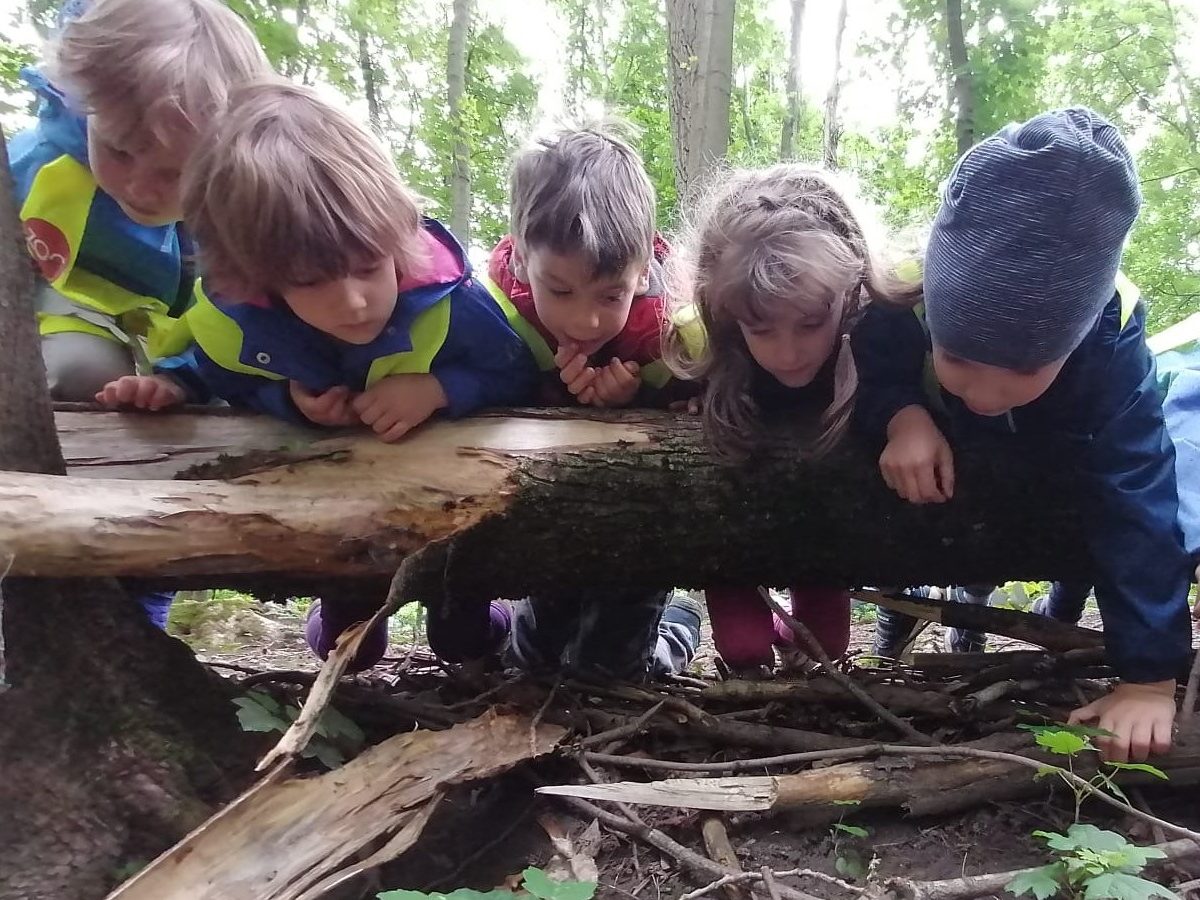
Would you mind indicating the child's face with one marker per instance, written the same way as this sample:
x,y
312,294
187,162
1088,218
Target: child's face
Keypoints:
x,y
354,309
577,307
792,347
141,174
991,390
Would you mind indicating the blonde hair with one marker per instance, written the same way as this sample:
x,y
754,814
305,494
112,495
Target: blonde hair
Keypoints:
x,y
287,190
163,67
584,190
761,241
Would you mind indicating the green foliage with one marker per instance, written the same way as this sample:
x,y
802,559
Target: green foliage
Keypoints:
x,y
335,736
535,883
1093,864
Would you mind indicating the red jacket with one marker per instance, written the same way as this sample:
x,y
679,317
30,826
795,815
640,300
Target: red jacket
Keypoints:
x,y
640,340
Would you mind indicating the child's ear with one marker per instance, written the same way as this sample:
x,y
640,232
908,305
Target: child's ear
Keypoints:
x,y
516,265
643,285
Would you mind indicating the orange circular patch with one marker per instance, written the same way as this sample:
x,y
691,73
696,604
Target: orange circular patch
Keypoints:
x,y
48,246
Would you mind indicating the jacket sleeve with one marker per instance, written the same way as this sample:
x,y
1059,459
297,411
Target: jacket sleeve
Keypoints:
x,y
1129,466
890,347
482,362
204,380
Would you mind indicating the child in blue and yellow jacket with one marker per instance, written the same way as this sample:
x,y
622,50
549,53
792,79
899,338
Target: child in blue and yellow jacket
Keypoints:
x,y
326,298
1032,339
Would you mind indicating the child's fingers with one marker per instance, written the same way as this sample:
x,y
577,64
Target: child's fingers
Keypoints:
x,y
397,430
587,396
574,368
945,470
1162,737
585,379
107,395
565,353
927,489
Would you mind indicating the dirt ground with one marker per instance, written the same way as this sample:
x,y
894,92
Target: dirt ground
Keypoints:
x,y
483,836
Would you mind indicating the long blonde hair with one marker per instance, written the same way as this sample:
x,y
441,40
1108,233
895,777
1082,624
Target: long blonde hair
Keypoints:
x,y
761,241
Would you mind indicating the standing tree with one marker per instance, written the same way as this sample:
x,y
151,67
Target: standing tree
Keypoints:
x,y
113,739
700,54
833,128
964,88
787,140
456,79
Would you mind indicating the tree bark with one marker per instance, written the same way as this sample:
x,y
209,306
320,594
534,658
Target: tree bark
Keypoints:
x,y
367,67
964,86
718,83
833,127
456,79
793,84
634,486
700,56
112,738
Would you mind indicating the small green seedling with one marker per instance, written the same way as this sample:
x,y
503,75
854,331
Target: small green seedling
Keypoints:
x,y
336,735
848,861
1091,864
535,883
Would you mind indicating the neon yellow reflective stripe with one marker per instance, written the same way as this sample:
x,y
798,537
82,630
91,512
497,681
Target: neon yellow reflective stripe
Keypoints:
x,y
166,336
1130,296
220,337
61,195
49,323
427,334
542,354
910,270
691,331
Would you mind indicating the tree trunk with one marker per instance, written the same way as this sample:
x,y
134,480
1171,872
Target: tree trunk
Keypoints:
x,y
635,486
794,99
718,83
964,87
111,736
700,56
833,128
456,78
367,66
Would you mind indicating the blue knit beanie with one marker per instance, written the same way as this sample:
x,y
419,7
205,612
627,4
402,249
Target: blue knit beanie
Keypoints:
x,y
1025,248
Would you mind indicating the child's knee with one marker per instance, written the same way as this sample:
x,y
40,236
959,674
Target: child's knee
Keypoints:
x,y
80,364
741,626
826,613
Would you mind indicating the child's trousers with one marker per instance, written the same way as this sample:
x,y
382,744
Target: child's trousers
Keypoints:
x,y
745,630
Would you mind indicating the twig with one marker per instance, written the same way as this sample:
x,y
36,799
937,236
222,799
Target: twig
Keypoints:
x,y
972,886
486,695
720,849
743,877
622,733
4,685
1189,696
769,883
814,648
736,765
537,719
688,859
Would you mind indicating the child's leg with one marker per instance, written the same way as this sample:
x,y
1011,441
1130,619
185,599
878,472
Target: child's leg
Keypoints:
x,y
893,632
79,364
960,640
825,612
678,636
329,617
542,627
616,635
157,605
742,625
461,635
1065,601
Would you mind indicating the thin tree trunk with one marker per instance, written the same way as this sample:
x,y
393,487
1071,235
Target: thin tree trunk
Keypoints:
x,y
964,87
718,82
109,730
794,98
370,88
686,21
833,127
456,78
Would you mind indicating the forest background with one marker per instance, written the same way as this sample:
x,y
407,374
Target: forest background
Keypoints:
x,y
890,91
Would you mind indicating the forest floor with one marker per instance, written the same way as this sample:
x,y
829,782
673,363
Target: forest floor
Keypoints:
x,y
484,836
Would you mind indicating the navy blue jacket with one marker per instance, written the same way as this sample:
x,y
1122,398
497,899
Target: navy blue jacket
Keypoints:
x,y
1103,414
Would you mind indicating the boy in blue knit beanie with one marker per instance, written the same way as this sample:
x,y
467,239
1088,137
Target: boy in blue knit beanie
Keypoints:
x,y
1034,333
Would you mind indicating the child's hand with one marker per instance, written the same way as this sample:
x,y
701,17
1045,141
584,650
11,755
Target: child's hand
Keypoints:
x,y
395,405
152,392
615,385
690,407
331,407
917,463
1140,717
573,369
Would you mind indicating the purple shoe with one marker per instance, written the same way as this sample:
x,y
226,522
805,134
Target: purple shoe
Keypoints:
x,y
321,631
463,637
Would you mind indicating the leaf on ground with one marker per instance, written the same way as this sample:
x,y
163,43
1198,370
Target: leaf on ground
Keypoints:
x,y
1043,882
254,715
855,830
1121,886
543,887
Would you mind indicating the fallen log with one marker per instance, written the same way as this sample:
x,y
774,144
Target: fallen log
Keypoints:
x,y
633,486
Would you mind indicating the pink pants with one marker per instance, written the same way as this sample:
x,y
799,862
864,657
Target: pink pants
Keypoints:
x,y
745,629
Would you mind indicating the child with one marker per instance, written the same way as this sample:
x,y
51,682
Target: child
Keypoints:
x,y
326,298
583,269
581,275
125,87
779,273
1031,337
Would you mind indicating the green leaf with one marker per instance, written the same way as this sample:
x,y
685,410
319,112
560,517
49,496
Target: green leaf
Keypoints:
x,y
254,716
337,724
1064,743
544,887
847,803
1121,886
1042,882
330,756
854,830
1140,767
1089,837
1043,771
850,866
